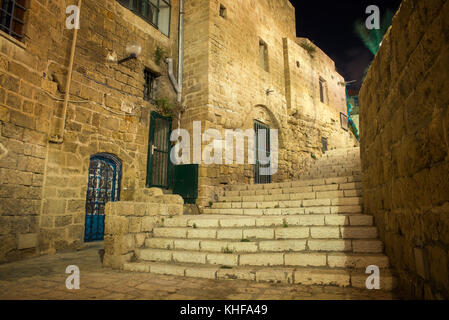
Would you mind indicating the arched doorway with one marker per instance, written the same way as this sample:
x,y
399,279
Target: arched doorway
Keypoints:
x,y
104,185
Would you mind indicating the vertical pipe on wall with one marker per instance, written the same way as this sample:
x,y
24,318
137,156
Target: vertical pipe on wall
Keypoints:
x,y
59,138
180,48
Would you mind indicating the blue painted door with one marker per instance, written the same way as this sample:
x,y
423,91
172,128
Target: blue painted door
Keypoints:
x,y
103,186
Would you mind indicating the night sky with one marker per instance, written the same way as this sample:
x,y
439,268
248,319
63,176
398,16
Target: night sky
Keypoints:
x,y
330,25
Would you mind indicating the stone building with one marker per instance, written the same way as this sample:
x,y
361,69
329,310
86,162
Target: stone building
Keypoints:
x,y
244,63
70,144
43,181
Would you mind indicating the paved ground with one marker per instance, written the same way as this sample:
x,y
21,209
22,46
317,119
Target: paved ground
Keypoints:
x,y
44,278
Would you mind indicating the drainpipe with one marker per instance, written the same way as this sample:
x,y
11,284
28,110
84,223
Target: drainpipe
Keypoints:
x,y
181,48
177,85
59,138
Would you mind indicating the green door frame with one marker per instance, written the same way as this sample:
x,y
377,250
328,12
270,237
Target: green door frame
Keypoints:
x,y
159,166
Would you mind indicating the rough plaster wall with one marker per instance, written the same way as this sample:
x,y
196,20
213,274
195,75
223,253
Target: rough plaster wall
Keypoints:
x,y
43,186
404,122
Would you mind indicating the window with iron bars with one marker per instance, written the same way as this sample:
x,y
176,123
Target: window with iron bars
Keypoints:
x,y
12,15
156,12
149,86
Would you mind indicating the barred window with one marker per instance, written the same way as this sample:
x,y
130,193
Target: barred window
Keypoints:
x,y
149,86
156,12
12,15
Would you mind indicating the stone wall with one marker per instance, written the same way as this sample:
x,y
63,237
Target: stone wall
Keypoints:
x,y
226,88
129,223
43,185
404,122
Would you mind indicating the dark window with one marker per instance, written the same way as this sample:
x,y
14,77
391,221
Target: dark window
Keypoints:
x,y
12,15
324,144
263,55
322,90
344,121
156,12
222,11
148,91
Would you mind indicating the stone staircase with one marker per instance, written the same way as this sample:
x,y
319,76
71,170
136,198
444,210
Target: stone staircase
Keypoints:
x,y
310,232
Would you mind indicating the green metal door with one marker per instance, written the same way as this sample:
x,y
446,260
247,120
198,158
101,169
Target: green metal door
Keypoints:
x,y
262,147
186,182
159,165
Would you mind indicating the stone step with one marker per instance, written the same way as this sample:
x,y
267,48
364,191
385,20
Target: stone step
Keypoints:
x,y
294,275
226,221
335,194
321,238
247,245
294,210
300,183
307,190
333,167
319,175
268,202
336,162
287,259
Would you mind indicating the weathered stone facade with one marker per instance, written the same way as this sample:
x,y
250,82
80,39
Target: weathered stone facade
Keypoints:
x,y
225,86
404,120
42,184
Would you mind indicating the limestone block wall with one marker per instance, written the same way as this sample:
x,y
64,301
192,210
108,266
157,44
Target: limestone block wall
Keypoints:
x,y
128,224
43,185
404,123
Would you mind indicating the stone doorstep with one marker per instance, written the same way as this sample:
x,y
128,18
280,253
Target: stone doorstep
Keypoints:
x,y
296,275
204,221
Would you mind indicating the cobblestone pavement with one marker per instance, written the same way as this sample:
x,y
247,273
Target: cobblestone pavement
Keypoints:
x,y
44,278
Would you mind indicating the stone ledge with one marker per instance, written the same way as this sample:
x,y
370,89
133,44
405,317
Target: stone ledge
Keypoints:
x,y
129,223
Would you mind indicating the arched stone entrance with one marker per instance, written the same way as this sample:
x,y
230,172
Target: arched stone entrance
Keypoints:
x,y
103,186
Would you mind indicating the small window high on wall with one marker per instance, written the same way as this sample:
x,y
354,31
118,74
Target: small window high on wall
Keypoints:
x,y
323,90
156,12
263,55
149,85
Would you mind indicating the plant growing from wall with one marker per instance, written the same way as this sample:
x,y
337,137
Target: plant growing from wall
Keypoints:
x,y
309,48
159,55
164,107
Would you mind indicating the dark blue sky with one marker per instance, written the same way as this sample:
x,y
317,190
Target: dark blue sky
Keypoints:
x,y
330,25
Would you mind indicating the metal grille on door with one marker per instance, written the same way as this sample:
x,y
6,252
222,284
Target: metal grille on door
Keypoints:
x,y
159,165
103,186
262,148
